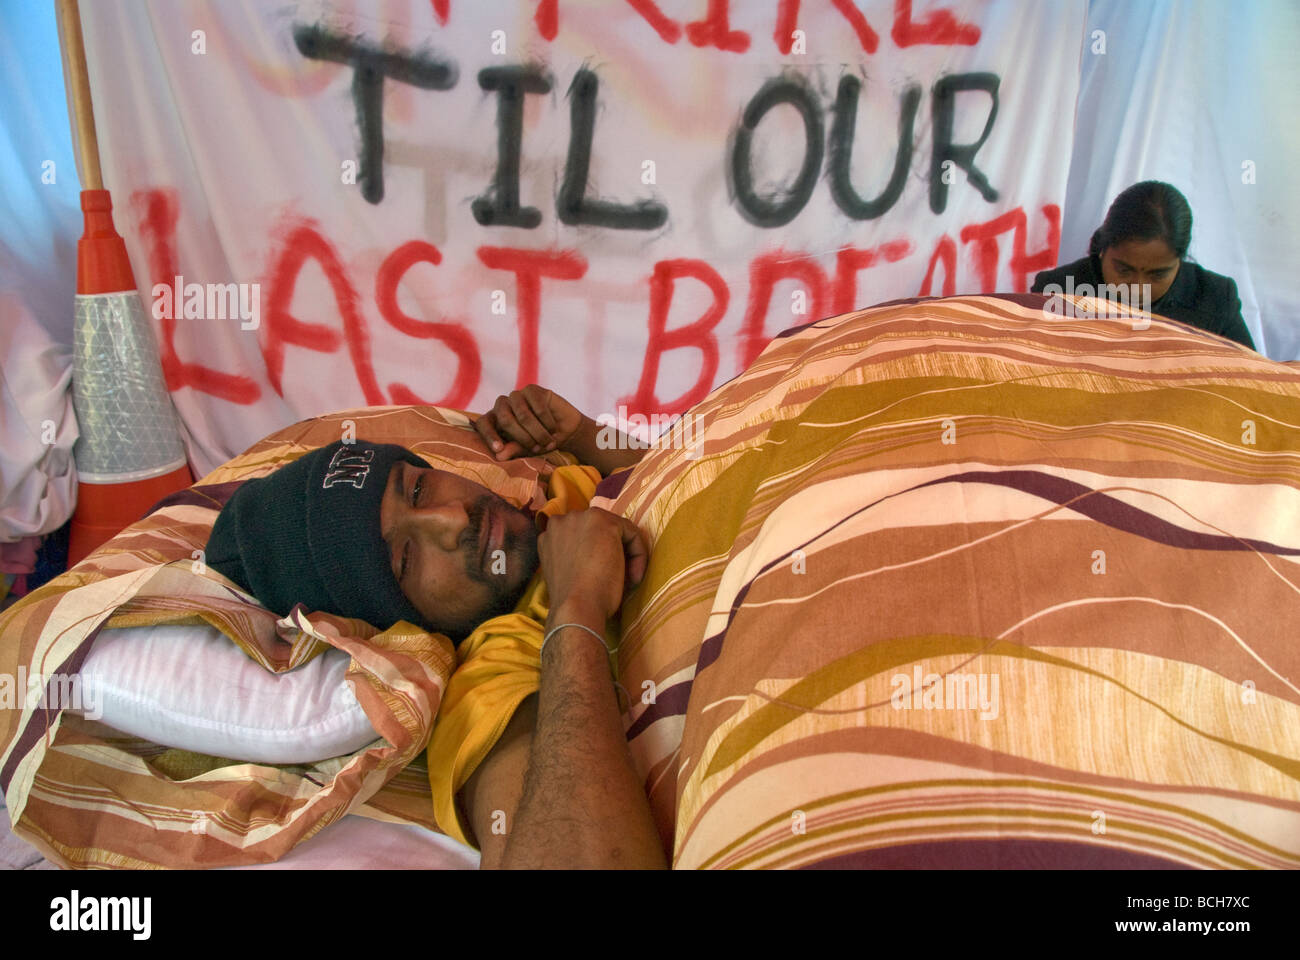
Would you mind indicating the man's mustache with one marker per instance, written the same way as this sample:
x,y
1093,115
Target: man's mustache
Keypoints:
x,y
513,542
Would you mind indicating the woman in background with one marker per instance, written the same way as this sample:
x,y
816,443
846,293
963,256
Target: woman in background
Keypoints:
x,y
1144,240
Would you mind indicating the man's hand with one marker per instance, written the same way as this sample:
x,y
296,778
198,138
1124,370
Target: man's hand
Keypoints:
x,y
533,420
583,803
590,560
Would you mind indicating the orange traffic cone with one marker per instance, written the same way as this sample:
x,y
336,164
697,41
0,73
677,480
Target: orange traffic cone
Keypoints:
x,y
129,454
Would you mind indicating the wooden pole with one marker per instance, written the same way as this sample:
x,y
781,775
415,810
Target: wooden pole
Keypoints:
x,y
77,79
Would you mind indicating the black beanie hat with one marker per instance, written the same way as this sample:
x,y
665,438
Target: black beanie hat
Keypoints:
x,y
309,533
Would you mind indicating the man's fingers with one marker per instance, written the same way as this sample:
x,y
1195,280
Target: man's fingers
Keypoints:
x,y
634,572
488,432
580,551
504,416
635,551
502,449
534,434
539,399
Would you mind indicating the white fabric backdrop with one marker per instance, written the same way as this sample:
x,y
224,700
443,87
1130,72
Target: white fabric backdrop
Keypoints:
x,y
40,221
216,159
1186,92
38,481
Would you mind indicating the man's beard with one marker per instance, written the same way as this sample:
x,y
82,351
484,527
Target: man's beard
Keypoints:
x,y
520,550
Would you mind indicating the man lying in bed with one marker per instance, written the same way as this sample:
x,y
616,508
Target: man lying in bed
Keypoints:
x,y
389,539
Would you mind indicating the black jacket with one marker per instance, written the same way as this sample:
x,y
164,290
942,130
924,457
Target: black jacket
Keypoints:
x,y
1197,296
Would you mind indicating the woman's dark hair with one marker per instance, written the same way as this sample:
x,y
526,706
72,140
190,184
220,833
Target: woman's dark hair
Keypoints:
x,y
1149,210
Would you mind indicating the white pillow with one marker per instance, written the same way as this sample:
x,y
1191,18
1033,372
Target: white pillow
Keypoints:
x,y
190,687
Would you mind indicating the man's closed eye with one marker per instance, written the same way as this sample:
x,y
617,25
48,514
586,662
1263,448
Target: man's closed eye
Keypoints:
x,y
416,489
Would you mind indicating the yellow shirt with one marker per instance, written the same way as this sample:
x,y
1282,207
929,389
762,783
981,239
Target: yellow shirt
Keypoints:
x,y
500,667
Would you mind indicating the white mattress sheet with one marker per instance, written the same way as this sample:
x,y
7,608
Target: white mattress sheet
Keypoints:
x,y
354,843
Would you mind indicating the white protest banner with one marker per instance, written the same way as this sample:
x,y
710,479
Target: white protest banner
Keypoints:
x,y
332,204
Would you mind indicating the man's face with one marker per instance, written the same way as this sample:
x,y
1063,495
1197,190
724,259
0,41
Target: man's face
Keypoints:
x,y
1138,262
460,553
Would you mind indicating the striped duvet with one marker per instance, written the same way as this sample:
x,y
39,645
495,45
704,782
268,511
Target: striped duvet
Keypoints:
x,y
944,583
956,583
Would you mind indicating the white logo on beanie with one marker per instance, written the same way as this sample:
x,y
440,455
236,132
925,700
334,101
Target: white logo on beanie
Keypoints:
x,y
348,466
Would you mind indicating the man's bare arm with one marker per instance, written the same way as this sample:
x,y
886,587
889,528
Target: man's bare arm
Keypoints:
x,y
624,451
583,803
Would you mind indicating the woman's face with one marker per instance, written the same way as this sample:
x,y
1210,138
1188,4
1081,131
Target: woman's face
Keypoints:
x,y
1138,262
